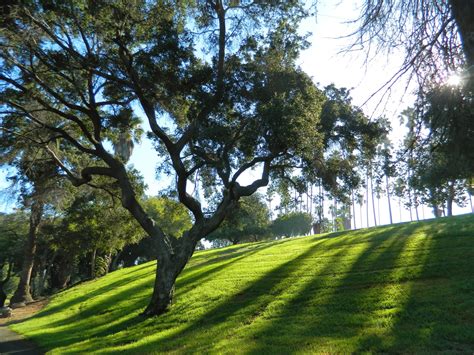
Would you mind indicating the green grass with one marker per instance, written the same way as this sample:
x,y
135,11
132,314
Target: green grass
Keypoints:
x,y
402,288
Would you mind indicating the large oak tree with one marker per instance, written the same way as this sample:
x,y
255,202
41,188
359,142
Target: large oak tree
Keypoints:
x,y
215,80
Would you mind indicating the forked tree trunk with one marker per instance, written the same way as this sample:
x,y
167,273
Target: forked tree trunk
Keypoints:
x,y
22,293
168,267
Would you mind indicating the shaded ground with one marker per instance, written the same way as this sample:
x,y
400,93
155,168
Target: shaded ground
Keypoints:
x,y
13,343
19,314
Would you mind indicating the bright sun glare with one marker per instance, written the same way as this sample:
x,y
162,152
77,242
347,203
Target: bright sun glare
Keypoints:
x,y
454,80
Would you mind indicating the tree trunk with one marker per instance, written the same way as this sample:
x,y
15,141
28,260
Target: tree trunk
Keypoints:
x,y
415,199
114,264
93,259
60,271
3,294
373,200
463,11
388,199
168,267
436,211
317,228
307,200
347,219
410,204
22,293
367,199
353,208
378,209
470,201
321,197
108,260
450,199
400,208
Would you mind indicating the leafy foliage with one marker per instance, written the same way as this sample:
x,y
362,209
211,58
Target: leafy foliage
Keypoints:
x,y
292,224
248,222
171,215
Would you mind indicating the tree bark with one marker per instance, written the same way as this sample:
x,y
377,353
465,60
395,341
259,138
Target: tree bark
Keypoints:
x,y
169,266
388,199
416,207
373,200
463,11
22,293
400,209
60,271
367,199
317,228
93,259
347,219
353,208
450,198
470,202
410,204
3,294
321,197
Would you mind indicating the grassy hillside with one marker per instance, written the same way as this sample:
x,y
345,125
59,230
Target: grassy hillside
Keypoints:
x,y
400,288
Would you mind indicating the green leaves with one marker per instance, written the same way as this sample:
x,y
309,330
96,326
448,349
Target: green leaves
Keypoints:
x,y
172,217
292,224
249,221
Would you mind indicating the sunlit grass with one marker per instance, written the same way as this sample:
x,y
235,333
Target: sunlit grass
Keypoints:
x,y
401,288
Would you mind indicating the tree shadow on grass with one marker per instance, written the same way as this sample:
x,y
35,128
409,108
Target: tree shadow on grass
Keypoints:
x,y
86,297
242,308
116,313
193,274
332,308
111,312
345,298
438,314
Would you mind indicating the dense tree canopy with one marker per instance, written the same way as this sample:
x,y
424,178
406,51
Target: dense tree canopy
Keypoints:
x,y
215,80
217,84
248,222
292,224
